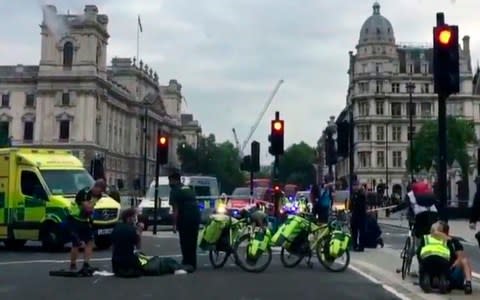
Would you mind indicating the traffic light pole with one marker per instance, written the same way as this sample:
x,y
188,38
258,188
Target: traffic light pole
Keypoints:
x,y
155,205
442,153
351,149
276,196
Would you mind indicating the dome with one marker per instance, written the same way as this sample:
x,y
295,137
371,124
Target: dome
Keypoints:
x,y
376,29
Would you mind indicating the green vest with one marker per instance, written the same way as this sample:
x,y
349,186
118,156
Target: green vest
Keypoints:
x,y
434,246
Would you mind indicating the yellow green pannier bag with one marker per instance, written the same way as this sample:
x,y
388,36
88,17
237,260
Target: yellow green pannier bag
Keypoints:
x,y
259,244
213,230
339,243
292,228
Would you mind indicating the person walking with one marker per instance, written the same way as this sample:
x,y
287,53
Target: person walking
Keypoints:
x,y
359,217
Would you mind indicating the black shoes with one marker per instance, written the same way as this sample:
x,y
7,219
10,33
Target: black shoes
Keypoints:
x,y
468,288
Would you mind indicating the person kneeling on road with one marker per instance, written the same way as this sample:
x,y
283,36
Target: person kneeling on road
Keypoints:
x,y
127,262
434,258
460,276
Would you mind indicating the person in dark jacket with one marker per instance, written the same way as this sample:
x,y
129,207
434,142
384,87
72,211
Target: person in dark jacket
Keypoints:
x,y
358,208
475,211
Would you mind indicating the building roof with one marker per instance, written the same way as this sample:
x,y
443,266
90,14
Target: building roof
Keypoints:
x,y
376,29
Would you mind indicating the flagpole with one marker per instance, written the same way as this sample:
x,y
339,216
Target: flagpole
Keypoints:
x,y
138,40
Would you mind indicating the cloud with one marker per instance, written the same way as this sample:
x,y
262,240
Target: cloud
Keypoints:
x,y
229,54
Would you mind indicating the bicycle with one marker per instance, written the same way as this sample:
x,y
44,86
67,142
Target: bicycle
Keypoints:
x,y
257,236
304,246
408,252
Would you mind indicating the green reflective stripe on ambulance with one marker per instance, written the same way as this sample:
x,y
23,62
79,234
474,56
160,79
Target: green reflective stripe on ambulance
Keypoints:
x,y
61,213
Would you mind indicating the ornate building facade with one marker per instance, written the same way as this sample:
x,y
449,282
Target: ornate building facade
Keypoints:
x,y
73,100
382,76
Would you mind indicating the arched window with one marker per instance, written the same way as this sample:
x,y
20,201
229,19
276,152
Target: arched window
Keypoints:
x,y
68,54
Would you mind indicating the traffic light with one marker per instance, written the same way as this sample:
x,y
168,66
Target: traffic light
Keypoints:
x,y
343,129
276,189
276,137
245,165
446,62
162,149
255,157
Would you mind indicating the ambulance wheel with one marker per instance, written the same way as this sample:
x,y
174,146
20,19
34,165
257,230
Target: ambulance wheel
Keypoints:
x,y
51,237
12,244
103,242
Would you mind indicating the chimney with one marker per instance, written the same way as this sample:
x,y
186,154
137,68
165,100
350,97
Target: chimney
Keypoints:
x,y
466,44
90,12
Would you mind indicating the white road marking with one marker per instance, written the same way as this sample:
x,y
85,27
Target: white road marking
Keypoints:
x,y
388,288
475,275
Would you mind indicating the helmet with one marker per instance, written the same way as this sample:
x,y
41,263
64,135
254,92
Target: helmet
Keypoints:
x,y
223,196
421,188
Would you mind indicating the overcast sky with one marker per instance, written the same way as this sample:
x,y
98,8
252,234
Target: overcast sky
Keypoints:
x,y
229,54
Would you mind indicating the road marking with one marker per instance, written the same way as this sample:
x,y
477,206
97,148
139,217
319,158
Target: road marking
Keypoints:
x,y
475,275
386,287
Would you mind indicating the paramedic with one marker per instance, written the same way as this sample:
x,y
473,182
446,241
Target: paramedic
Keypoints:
x,y
186,218
359,216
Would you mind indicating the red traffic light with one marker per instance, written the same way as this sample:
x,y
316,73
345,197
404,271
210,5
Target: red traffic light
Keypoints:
x,y
162,140
276,188
277,125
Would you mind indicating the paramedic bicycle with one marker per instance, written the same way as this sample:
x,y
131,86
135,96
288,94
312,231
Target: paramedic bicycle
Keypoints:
x,y
301,236
423,212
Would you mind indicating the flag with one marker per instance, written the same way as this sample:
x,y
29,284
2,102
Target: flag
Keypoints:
x,y
140,24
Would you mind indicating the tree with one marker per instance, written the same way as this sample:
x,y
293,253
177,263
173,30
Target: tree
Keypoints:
x,y
296,165
460,134
210,158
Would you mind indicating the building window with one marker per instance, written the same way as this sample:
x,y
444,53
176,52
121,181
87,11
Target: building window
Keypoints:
x,y
410,68
395,87
396,109
425,88
425,68
378,67
64,130
426,109
395,68
397,159
363,87
397,133
28,131
364,159
4,133
459,109
364,133
68,55
65,99
379,88
363,108
412,109
380,133
30,100
5,100
364,67
379,108
380,159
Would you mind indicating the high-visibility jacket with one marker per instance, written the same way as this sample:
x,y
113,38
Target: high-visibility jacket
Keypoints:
x,y
434,246
221,201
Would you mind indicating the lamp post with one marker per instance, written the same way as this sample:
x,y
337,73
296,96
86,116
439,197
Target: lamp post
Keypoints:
x,y
455,175
330,145
146,102
411,111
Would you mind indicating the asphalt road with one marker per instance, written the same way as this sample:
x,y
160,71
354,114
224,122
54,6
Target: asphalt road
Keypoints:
x,y
24,275
394,237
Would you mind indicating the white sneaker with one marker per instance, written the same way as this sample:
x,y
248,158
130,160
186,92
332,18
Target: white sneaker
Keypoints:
x,y
180,272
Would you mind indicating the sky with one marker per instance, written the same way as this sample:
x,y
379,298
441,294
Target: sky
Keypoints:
x,y
229,54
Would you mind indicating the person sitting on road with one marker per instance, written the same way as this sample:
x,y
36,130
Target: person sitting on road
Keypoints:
x,y
126,236
460,276
434,259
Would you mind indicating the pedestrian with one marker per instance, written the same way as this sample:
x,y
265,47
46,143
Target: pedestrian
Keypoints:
x,y
475,211
186,218
359,216
126,237
322,200
80,224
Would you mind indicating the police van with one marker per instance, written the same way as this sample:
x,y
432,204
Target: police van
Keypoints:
x,y
205,188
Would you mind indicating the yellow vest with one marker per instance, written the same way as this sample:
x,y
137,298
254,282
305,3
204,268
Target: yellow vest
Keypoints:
x,y
434,246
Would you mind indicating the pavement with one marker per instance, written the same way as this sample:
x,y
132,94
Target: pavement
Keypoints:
x,y
24,275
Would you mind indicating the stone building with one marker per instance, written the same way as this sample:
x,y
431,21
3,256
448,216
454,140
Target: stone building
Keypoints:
x,y
191,130
380,73
73,100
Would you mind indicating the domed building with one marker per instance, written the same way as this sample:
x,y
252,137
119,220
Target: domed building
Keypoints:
x,y
382,75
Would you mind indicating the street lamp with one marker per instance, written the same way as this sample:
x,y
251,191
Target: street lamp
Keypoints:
x,y
411,111
148,100
330,131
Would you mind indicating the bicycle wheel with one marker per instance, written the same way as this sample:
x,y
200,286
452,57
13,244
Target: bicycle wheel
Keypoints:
x,y
405,255
245,264
296,258
327,261
216,260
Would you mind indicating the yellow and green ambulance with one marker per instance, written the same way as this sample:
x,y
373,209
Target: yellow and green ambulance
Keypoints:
x,y
37,193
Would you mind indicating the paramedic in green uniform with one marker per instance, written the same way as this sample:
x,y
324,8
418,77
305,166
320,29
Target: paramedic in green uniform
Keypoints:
x,y
186,218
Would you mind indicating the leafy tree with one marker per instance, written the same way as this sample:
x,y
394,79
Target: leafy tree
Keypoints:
x,y
460,133
210,158
296,165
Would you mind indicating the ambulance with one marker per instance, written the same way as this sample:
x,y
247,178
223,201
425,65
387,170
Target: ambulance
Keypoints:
x,y
37,193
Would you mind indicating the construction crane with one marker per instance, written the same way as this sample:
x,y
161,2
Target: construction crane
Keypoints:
x,y
257,122
237,143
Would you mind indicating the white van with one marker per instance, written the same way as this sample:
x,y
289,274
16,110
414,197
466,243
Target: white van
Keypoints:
x,y
205,188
